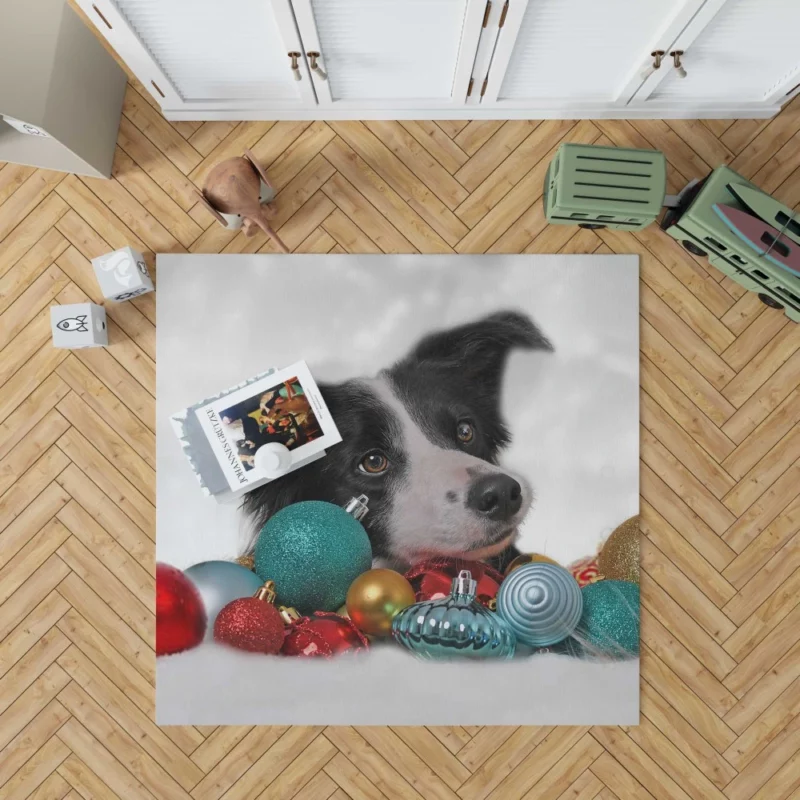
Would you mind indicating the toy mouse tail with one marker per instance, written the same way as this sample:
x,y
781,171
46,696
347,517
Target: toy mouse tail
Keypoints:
x,y
269,230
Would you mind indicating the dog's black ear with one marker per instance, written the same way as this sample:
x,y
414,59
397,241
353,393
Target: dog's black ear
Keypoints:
x,y
481,345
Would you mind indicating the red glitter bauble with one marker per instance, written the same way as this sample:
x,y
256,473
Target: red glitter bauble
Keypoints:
x,y
323,634
250,623
180,614
433,578
585,571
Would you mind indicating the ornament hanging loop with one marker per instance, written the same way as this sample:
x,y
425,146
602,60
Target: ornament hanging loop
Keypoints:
x,y
357,507
266,592
464,583
288,614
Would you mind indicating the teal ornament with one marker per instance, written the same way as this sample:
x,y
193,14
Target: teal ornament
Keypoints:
x,y
219,583
609,625
541,603
313,551
457,626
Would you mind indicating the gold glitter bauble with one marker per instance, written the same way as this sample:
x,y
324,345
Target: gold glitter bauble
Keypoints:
x,y
245,561
528,558
375,597
619,556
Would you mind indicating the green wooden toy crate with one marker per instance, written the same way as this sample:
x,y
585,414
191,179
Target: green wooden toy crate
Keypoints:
x,y
695,224
605,187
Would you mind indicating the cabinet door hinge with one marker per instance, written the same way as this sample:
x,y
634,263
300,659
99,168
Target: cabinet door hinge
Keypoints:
x,y
487,12
469,88
503,15
485,83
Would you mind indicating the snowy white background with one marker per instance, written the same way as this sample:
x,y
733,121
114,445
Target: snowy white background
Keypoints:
x,y
222,319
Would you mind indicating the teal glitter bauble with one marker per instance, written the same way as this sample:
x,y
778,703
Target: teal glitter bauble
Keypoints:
x,y
609,625
313,551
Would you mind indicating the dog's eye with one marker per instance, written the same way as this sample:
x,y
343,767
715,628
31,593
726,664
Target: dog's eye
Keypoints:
x,y
374,463
465,431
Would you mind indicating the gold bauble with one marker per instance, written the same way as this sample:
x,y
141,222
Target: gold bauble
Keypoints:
x,y
342,611
619,556
528,558
375,597
246,561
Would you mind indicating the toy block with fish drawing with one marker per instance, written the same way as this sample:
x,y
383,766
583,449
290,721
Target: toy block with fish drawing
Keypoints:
x,y
78,325
122,274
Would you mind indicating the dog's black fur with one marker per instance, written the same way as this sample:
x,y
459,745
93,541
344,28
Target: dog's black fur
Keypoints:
x,y
450,375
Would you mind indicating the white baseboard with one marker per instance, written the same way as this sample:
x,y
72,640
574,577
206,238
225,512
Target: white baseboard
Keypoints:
x,y
651,111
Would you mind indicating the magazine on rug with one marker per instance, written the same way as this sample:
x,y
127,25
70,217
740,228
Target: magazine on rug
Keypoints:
x,y
284,407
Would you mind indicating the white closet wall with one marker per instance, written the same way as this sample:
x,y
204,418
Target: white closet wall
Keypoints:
x,y
458,59
225,48
391,48
581,50
749,52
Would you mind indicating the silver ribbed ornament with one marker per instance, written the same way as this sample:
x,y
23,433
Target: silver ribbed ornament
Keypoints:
x,y
541,603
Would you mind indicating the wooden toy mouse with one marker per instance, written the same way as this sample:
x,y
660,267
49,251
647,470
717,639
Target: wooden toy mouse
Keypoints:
x,y
234,189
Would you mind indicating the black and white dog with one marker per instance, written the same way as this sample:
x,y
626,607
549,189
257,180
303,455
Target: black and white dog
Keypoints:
x,y
421,441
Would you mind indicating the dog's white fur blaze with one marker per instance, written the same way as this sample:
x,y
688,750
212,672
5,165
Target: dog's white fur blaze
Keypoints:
x,y
423,520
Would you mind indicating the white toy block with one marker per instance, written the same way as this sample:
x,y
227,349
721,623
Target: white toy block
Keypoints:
x,y
78,325
122,274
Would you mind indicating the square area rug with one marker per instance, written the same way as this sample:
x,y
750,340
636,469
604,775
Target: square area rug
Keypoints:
x,y
481,407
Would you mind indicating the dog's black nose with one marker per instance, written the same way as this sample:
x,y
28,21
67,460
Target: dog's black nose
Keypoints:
x,y
495,496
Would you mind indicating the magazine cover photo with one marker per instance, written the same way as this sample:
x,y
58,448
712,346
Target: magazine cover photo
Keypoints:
x,y
280,414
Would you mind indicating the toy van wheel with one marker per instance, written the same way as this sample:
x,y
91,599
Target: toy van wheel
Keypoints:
x,y
590,226
770,301
693,248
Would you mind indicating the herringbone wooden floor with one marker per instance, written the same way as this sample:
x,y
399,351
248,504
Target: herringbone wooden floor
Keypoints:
x,y
720,432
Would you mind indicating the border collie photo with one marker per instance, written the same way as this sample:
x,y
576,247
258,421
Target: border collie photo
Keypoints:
x,y
282,413
423,440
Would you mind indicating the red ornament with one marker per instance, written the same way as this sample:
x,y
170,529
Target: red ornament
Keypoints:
x,y
323,634
433,578
180,614
585,570
251,623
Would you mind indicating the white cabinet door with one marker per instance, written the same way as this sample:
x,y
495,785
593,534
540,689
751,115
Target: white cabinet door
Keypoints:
x,y
391,54
566,54
208,54
734,52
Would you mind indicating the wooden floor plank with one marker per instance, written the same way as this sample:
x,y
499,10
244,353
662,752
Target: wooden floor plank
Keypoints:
x,y
28,739
390,169
110,517
437,143
383,197
30,267
159,131
107,772
31,593
720,440
498,182
419,161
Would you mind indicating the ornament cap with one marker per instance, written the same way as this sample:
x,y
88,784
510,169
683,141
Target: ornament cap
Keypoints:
x,y
357,507
465,584
266,592
289,614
